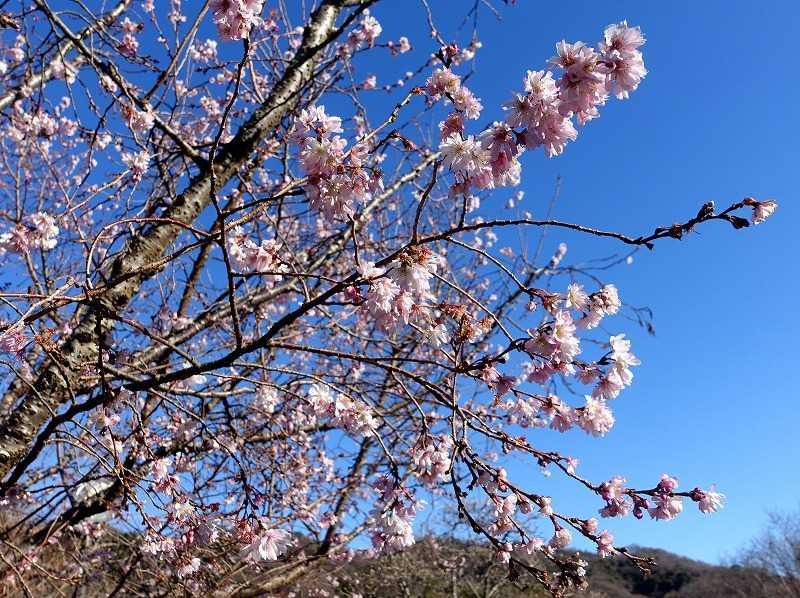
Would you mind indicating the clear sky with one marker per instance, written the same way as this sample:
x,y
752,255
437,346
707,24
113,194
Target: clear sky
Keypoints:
x,y
716,118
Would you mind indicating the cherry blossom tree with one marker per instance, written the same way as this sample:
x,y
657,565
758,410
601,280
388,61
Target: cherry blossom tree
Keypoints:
x,y
249,324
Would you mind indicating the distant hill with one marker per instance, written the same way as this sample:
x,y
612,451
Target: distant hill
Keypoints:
x,y
446,568
673,576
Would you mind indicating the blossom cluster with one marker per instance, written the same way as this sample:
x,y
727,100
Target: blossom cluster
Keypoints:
x,y
129,46
353,416
266,545
366,32
36,231
432,459
265,399
543,114
665,505
484,163
13,341
588,75
392,297
251,257
137,163
335,178
393,524
445,83
554,347
235,18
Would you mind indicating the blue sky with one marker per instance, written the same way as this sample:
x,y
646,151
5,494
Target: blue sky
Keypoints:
x,y
716,118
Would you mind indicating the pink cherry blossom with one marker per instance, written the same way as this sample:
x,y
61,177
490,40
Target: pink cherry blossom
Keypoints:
x,y
605,544
576,297
666,507
596,418
432,459
561,539
763,210
708,501
623,59
268,545
235,18
13,341
465,156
